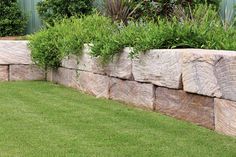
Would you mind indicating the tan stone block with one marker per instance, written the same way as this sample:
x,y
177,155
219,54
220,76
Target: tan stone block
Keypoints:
x,y
131,92
211,73
121,65
94,84
64,76
193,108
3,73
160,67
70,62
225,117
26,72
87,62
14,52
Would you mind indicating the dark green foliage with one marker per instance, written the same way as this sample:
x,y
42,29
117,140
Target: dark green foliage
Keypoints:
x,y
126,10
12,20
52,10
152,9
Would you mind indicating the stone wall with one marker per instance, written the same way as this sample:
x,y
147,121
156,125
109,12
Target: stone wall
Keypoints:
x,y
195,85
16,64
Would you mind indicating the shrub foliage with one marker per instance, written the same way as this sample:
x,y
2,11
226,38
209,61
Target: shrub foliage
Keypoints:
x,y
12,20
203,30
51,10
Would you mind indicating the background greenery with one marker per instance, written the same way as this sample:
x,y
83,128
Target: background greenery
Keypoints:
x,y
12,20
53,10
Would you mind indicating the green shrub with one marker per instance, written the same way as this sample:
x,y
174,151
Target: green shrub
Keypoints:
x,y
51,45
203,30
53,10
12,21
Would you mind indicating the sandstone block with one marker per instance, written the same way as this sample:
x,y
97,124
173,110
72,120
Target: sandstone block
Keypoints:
x,y
3,73
50,75
225,116
64,76
87,62
70,62
14,52
211,73
94,84
139,94
26,72
121,65
160,67
193,108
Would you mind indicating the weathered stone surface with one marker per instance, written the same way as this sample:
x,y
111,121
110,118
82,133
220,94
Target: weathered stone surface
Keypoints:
x,y
139,94
94,84
50,75
64,76
225,116
3,73
88,63
14,52
160,67
194,108
25,72
121,65
70,62
211,73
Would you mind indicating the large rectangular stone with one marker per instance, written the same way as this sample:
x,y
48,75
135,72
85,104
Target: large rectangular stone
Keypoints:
x,y
121,65
3,73
70,62
94,84
14,52
194,108
64,76
160,67
87,62
26,72
210,72
225,116
131,92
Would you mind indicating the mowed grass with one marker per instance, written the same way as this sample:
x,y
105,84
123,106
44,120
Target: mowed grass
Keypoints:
x,y
39,119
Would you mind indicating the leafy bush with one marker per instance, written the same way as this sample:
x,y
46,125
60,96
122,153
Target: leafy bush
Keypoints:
x,y
203,30
51,45
52,10
12,21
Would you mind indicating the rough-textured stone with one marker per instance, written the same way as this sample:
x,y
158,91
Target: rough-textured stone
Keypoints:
x,y
3,73
225,72
121,65
210,73
26,72
14,52
88,63
70,62
225,116
194,108
49,75
64,76
160,67
94,84
139,94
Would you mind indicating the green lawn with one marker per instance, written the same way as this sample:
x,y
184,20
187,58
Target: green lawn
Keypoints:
x,y
39,119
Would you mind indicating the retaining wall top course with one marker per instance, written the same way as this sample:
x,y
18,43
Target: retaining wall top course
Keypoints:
x,y
14,52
